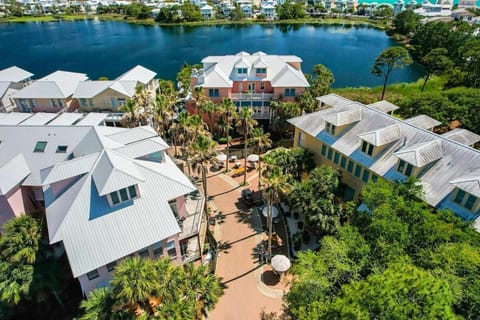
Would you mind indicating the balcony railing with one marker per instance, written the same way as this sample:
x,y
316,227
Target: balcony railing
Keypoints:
x,y
191,224
252,96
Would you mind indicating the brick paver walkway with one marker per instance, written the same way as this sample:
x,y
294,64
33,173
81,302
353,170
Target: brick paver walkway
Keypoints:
x,y
244,296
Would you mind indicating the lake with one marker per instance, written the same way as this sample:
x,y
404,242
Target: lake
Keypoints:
x,y
110,48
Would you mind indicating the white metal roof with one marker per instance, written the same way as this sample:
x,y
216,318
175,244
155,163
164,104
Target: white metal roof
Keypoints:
x,y
464,136
12,173
384,106
456,158
92,119
422,153
70,168
4,85
39,118
423,121
14,118
14,74
90,89
133,135
382,136
333,100
220,71
143,147
65,119
345,117
469,182
138,73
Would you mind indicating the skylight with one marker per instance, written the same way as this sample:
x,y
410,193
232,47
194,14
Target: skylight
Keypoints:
x,y
62,149
40,146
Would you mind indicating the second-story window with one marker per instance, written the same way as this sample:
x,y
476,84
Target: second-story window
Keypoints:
x,y
367,148
405,168
261,70
242,70
251,87
262,86
465,199
330,128
123,195
213,93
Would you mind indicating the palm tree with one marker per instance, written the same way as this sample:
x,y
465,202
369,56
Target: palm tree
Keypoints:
x,y
203,289
19,246
163,112
228,114
210,109
132,116
99,305
179,131
259,140
134,282
199,98
244,125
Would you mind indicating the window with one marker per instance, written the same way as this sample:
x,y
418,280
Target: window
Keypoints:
x,y
459,197
365,176
367,148
242,70
173,206
324,150
358,171
62,149
405,168
111,266
262,86
290,92
251,87
470,202
336,157
144,253
40,146
374,178
121,102
301,139
157,249
261,70
330,154
330,128
350,166
213,93
83,102
123,195
343,162
171,250
92,274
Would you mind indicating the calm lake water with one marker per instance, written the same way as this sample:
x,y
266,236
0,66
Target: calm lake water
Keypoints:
x,y
110,48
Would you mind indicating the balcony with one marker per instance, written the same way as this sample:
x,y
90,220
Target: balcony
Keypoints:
x,y
252,96
193,227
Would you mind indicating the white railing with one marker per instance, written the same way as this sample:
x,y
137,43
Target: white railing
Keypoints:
x,y
252,96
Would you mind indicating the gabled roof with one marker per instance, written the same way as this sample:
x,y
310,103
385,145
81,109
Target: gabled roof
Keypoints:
x,y
57,85
421,154
333,100
453,158
12,173
132,135
4,85
220,71
66,119
382,136
345,117
14,118
138,73
463,136
39,118
90,89
469,182
143,147
14,74
71,168
384,106
114,172
423,121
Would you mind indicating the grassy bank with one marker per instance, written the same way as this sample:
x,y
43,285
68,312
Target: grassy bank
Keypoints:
x,y
345,22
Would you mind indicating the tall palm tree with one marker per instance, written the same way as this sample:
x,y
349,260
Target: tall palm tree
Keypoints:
x,y
203,289
210,109
99,305
199,98
244,125
134,282
228,114
259,140
163,112
180,130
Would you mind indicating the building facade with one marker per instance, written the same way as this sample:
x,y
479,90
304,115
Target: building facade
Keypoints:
x,y
251,80
365,144
106,193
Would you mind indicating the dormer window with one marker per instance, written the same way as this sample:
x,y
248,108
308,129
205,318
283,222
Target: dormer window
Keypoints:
x,y
40,146
261,70
123,195
367,148
242,71
213,93
61,149
330,128
405,168
465,199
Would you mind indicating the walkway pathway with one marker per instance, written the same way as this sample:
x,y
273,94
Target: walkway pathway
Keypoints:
x,y
245,293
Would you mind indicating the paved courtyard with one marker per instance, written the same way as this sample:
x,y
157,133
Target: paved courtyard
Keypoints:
x,y
249,286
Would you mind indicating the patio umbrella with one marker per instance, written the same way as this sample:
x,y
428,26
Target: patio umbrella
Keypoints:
x,y
280,263
274,211
253,157
221,157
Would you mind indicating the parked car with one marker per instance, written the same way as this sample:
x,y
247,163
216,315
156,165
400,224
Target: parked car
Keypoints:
x,y
247,197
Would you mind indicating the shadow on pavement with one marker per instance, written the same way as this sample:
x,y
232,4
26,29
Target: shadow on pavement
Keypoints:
x,y
241,275
270,278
